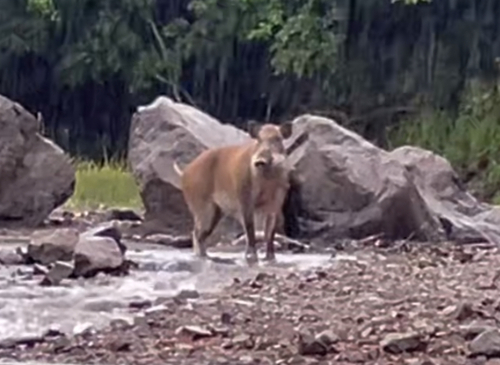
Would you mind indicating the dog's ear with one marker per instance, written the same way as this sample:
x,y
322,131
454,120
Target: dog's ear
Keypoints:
x,y
286,129
253,128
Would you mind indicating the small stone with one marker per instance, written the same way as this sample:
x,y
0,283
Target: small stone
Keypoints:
x,y
39,269
60,270
243,341
195,332
225,318
120,324
487,343
459,312
120,345
187,294
10,258
308,346
397,343
140,304
59,344
83,329
246,359
327,337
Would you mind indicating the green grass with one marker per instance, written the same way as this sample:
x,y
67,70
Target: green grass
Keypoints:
x,y
106,185
470,141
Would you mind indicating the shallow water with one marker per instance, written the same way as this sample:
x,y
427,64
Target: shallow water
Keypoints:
x,y
27,308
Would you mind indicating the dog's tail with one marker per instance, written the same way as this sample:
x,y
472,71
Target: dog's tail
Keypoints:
x,y
178,169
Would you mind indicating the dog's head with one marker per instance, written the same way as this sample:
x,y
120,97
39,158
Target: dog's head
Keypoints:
x,y
270,150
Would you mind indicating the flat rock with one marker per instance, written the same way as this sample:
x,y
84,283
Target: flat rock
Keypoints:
x,y
11,257
397,343
59,271
486,343
47,247
94,254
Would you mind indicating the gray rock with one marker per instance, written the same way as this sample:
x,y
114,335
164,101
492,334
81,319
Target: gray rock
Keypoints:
x,y
107,229
471,330
10,257
48,247
161,133
36,176
397,343
60,270
95,254
486,343
464,218
195,332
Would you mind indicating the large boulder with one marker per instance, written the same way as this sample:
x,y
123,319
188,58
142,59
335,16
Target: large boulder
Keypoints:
x,y
342,185
348,187
164,132
465,219
36,176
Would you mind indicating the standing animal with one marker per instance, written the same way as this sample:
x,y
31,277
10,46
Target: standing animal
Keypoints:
x,y
240,181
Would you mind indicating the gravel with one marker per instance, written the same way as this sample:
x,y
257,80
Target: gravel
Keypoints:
x,y
421,305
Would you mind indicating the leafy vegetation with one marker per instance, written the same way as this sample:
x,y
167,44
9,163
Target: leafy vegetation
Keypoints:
x,y
86,65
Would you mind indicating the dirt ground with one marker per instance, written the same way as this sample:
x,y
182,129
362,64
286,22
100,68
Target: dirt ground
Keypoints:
x,y
412,305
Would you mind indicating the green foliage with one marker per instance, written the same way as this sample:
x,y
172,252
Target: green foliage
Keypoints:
x,y
469,141
109,184
87,64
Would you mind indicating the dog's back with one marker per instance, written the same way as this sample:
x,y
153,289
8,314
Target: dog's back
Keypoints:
x,y
216,176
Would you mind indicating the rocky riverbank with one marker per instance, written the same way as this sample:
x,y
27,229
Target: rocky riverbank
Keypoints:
x,y
404,305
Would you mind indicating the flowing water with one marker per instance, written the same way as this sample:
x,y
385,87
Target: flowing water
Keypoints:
x,y
26,308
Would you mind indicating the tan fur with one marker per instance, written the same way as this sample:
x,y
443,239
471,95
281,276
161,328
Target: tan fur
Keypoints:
x,y
241,181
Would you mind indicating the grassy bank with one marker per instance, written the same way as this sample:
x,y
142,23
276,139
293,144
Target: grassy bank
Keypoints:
x,y
470,140
109,184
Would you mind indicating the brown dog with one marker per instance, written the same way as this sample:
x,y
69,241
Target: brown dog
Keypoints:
x,y
240,181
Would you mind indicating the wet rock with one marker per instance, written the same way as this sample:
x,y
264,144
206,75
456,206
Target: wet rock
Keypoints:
x,y
140,304
122,214
10,258
195,332
486,343
48,247
107,229
59,270
171,241
40,269
397,343
187,294
243,341
17,341
95,254
83,328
